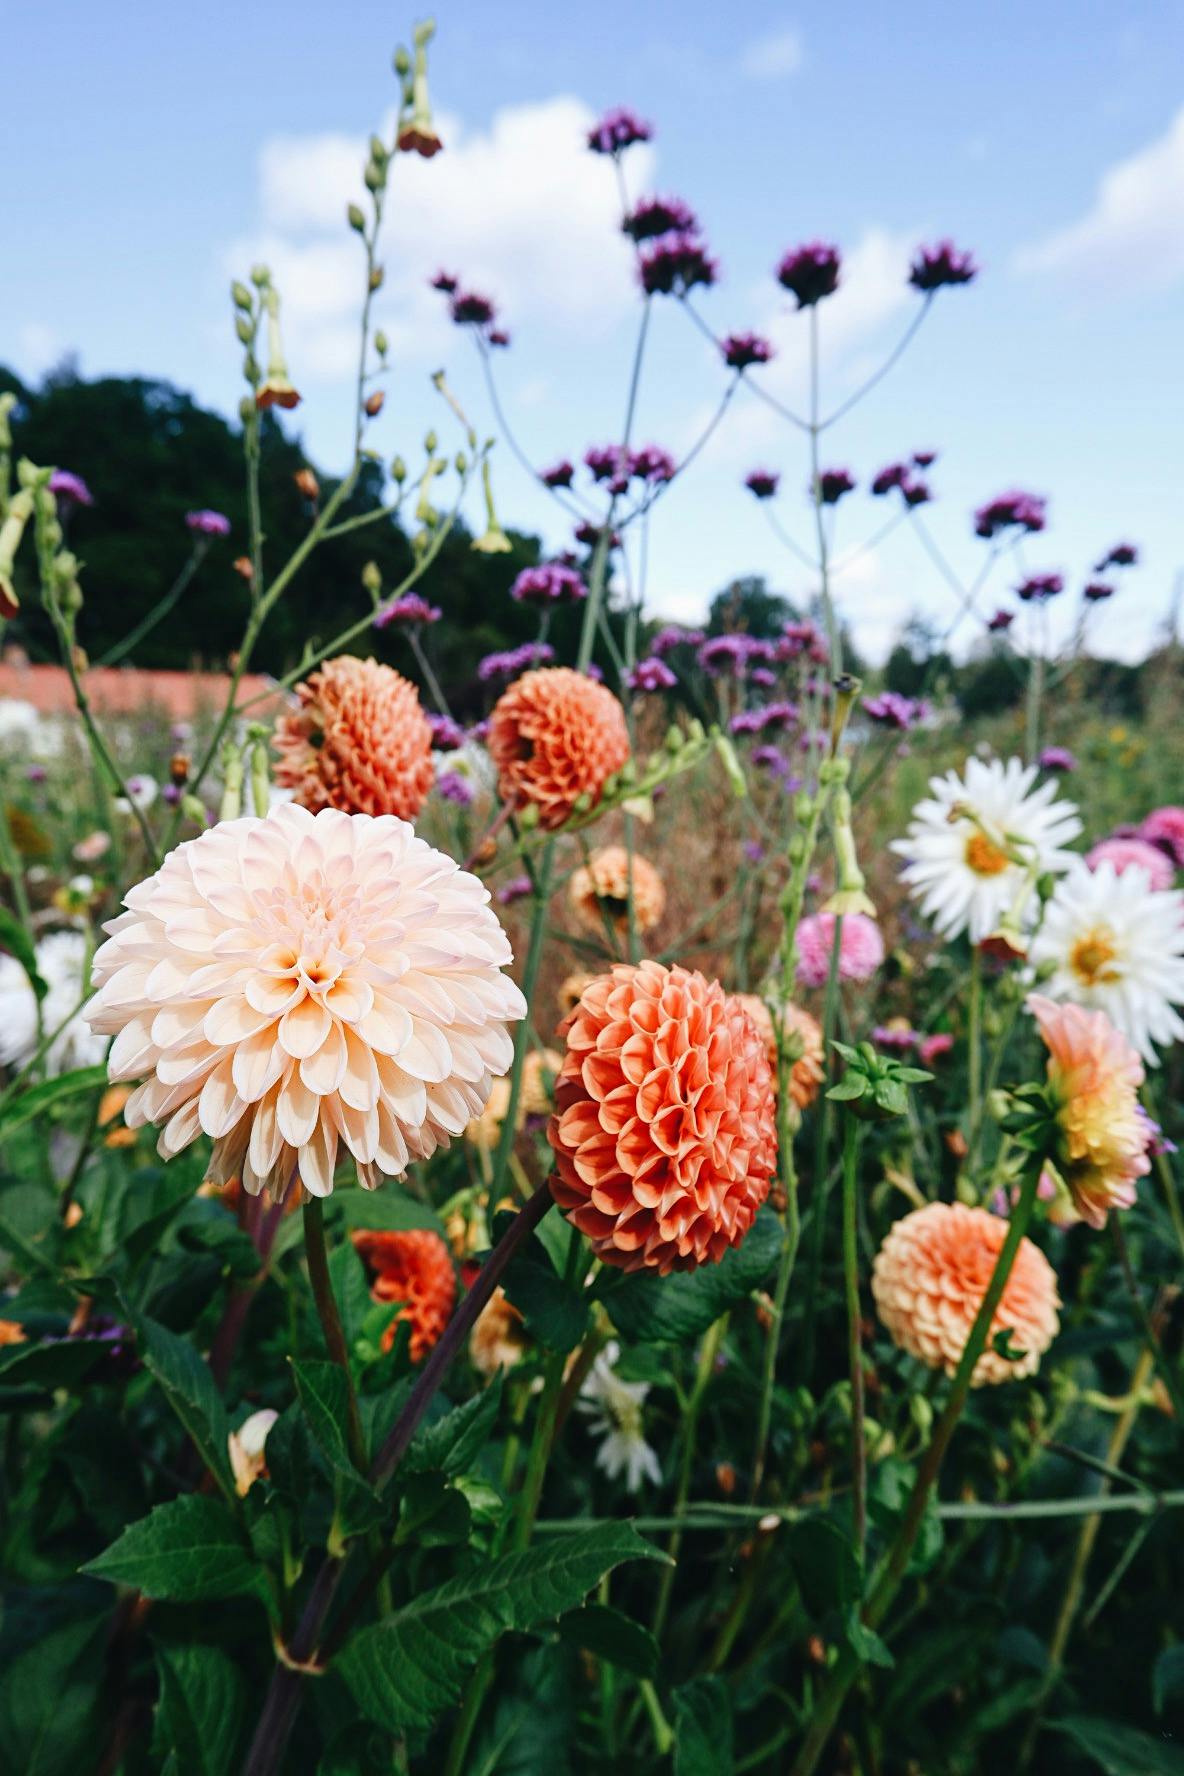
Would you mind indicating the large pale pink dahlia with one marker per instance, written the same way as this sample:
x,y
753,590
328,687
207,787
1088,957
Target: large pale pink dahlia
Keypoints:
x,y
929,1279
664,1131
291,985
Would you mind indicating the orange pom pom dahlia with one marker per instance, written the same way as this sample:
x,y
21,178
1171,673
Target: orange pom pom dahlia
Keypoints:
x,y
556,735
600,889
807,1071
664,1126
929,1279
413,1267
359,741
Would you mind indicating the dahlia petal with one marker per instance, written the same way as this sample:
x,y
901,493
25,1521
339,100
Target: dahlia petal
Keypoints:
x,y
323,1071
317,1158
303,1028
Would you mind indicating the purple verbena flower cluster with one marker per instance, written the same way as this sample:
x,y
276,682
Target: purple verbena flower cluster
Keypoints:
x,y
833,484
655,216
1025,511
70,488
512,661
744,349
673,635
651,674
447,735
617,130
810,272
890,710
207,523
410,608
762,483
552,582
1040,587
934,268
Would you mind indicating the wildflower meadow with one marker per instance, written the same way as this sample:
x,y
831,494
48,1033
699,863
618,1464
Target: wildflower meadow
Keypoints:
x,y
578,1194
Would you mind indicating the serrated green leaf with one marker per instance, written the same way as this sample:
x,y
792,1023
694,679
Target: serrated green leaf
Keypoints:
x,y
187,1550
351,1291
49,1703
389,1210
16,940
325,1399
59,1363
38,1100
453,1443
406,1670
555,1312
202,1706
824,1565
1120,1750
703,1728
613,1636
189,1388
675,1309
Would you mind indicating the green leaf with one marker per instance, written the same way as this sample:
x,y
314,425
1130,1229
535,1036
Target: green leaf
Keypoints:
x,y
389,1210
865,1643
189,1389
614,1636
200,1714
453,1443
1167,1677
17,941
703,1728
433,1514
39,1099
30,1226
406,1670
675,1309
48,1703
351,1291
1120,1750
824,1565
555,1312
59,1363
850,1088
325,1399
154,1199
185,1551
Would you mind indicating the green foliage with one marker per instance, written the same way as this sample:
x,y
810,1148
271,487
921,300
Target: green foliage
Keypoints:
x,y
186,1551
678,1308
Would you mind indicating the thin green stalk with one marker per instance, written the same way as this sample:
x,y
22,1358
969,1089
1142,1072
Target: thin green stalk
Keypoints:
x,y
833,635
159,611
830,1006
892,1569
522,1040
1035,697
705,1369
974,1038
322,1291
1168,1375
851,1134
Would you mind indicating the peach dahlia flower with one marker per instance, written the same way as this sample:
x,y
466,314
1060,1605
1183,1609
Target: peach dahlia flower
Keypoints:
x,y
600,890
411,1265
929,1279
359,741
807,1071
302,983
664,1126
1094,1075
556,735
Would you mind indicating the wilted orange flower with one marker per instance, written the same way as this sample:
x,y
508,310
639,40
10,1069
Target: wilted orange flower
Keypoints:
x,y
244,567
807,1071
929,1279
600,889
307,484
1094,1075
498,1339
359,741
413,1267
556,735
664,1124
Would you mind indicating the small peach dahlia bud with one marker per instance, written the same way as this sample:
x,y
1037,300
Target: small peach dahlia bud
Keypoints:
x,y
664,1127
600,890
414,1267
556,735
359,741
929,1279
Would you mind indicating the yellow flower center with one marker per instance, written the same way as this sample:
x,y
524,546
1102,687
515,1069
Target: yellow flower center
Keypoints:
x,y
1091,956
984,856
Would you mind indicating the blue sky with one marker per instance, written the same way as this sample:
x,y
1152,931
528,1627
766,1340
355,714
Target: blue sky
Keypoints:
x,y
162,148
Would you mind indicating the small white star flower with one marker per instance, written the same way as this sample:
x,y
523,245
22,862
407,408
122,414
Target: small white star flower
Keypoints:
x,y
614,1410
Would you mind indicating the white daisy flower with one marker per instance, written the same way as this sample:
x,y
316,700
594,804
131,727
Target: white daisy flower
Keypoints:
x,y
977,843
614,1414
62,958
1115,944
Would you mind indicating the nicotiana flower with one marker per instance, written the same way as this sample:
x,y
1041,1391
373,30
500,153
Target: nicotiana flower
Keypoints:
x,y
929,1279
556,736
70,489
978,842
861,948
617,130
742,350
653,216
664,1132
207,523
810,272
1094,1077
411,1266
551,583
1133,853
359,741
614,1411
763,483
1115,944
306,982
62,964
936,267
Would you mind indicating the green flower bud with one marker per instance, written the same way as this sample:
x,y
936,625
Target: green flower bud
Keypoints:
x,y
193,808
372,577
381,343
243,329
355,218
241,296
402,62
260,276
398,470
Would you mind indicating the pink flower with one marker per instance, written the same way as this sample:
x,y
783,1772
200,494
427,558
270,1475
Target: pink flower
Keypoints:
x,y
1165,827
1135,853
934,1048
861,948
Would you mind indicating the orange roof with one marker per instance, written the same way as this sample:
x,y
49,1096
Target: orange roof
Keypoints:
x,y
126,690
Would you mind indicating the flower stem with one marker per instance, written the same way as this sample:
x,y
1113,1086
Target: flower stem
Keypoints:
x,y
974,1065
326,1305
851,1132
705,1369
522,1041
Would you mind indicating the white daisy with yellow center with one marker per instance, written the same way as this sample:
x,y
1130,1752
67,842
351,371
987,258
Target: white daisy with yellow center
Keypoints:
x,y
978,842
1115,944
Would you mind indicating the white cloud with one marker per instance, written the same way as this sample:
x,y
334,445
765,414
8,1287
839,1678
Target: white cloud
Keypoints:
x,y
521,211
773,56
1137,217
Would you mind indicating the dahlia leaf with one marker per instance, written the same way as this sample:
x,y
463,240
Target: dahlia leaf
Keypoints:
x,y
825,1567
49,1702
200,1714
16,940
185,1551
40,1098
322,1391
1120,1750
408,1669
555,1312
674,1309
452,1444
703,1728
189,1389
612,1635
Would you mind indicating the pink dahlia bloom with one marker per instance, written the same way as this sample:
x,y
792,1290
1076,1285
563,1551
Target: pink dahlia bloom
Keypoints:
x,y
1164,827
1136,853
301,984
861,948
